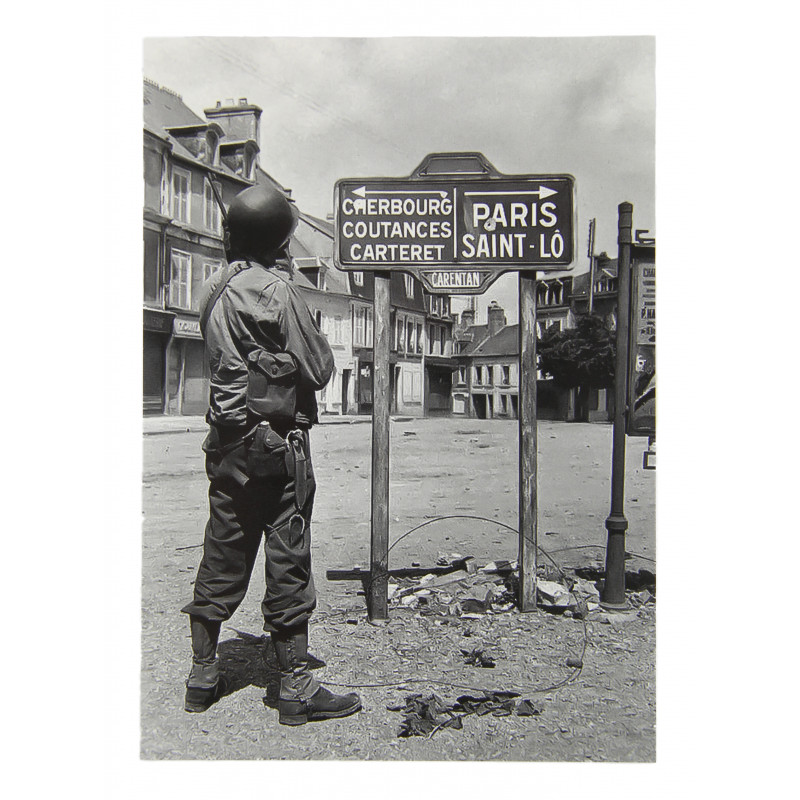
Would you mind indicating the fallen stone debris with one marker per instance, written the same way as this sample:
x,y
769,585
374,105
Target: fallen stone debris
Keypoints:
x,y
468,591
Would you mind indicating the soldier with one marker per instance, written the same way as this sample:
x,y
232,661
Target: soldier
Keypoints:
x,y
266,357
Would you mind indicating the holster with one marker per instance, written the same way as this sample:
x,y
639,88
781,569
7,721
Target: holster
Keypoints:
x,y
267,455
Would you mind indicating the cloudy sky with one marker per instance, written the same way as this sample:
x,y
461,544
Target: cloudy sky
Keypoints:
x,y
369,107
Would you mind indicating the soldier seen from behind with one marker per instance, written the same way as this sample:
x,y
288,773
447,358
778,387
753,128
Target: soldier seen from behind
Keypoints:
x,y
267,357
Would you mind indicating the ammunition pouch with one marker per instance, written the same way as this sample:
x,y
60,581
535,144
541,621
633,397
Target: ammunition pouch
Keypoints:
x,y
271,384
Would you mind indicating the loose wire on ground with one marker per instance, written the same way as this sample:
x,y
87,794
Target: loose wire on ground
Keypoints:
x,y
591,546
520,690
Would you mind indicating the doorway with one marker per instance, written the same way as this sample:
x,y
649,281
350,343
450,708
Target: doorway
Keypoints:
x,y
345,390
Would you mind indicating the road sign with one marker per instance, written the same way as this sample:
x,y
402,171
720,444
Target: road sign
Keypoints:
x,y
455,232
457,224
456,281
642,346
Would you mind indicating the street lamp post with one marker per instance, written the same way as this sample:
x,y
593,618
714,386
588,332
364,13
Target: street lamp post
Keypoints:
x,y
616,524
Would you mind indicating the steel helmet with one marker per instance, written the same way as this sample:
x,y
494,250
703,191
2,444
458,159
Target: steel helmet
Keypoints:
x,y
260,221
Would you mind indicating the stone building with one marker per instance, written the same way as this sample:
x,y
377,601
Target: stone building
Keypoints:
x,y
182,233
486,381
186,157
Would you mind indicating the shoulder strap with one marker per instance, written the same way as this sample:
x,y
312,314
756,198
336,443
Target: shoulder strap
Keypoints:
x,y
231,270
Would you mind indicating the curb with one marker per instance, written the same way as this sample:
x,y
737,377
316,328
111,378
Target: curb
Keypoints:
x,y
155,426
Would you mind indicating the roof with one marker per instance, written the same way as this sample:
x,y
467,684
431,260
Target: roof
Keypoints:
x,y
165,114
309,242
603,266
164,109
504,343
236,142
262,177
313,238
473,335
559,274
580,284
322,225
608,265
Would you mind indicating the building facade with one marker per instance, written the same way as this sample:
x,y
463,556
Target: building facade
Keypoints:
x,y
421,344
486,381
596,405
182,234
326,290
439,366
188,157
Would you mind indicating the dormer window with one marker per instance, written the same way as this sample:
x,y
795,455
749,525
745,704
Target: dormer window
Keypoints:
x,y
248,164
212,149
238,163
240,157
606,284
541,294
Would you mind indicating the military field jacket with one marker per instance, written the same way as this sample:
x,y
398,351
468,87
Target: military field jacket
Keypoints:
x,y
260,308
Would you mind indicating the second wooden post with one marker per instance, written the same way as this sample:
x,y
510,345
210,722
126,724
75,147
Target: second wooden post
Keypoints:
x,y
528,495
377,595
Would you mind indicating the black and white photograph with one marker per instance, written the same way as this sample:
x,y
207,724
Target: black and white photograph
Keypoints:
x,y
399,399
336,462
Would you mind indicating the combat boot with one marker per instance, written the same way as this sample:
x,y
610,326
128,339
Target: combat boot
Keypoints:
x,y
205,685
301,698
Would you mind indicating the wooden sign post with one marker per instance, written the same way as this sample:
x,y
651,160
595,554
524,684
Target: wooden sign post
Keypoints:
x,y
528,490
377,595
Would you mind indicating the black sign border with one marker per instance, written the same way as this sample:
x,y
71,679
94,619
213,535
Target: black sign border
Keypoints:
x,y
489,174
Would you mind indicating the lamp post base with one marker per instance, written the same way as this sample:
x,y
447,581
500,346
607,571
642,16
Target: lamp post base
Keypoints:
x,y
615,606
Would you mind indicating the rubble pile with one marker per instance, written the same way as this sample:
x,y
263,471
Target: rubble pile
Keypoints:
x,y
469,591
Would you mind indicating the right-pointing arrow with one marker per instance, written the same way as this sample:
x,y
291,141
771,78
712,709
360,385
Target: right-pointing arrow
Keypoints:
x,y
541,192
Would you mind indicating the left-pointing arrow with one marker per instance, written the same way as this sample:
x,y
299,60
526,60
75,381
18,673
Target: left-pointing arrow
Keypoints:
x,y
362,191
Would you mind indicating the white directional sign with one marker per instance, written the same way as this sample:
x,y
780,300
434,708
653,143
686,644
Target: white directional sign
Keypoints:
x,y
459,230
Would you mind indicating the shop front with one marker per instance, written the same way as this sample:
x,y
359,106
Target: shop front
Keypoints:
x,y
157,327
188,378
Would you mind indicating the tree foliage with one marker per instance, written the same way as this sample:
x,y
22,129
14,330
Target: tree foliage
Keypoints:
x,y
580,356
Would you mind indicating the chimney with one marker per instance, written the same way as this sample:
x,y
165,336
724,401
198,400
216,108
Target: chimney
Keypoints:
x,y
239,121
497,317
467,317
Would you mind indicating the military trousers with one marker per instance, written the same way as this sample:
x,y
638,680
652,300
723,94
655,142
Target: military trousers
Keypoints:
x,y
243,511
